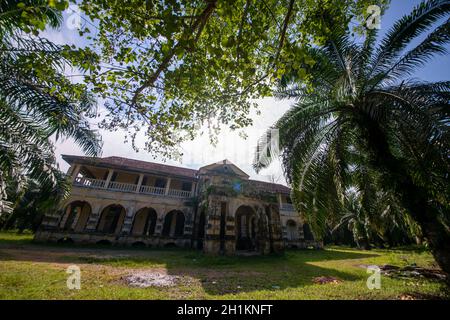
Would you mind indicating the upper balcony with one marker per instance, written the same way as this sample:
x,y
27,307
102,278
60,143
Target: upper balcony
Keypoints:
x,y
119,180
287,207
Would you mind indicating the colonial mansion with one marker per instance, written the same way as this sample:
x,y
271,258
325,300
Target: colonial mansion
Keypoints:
x,y
216,208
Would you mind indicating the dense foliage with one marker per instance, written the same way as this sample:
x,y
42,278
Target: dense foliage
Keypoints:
x,y
170,66
367,126
37,103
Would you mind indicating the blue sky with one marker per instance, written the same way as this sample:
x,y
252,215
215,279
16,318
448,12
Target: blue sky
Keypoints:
x,y
231,146
438,68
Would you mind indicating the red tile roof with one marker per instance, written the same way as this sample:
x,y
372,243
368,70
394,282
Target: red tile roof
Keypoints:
x,y
270,187
133,165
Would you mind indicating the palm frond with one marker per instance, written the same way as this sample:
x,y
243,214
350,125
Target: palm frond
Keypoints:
x,y
405,30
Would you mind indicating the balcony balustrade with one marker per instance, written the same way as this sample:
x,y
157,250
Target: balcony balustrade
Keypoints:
x,y
128,187
152,190
179,193
88,182
287,207
120,186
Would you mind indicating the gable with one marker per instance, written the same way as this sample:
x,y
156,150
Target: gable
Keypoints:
x,y
224,167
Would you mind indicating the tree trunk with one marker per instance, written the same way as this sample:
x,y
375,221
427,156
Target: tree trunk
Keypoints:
x,y
415,199
438,238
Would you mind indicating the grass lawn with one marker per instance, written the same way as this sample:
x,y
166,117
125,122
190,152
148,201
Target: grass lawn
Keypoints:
x,y
32,271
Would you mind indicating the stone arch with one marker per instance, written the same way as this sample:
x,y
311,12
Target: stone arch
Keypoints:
x,y
173,224
77,214
291,230
246,221
144,222
111,219
307,233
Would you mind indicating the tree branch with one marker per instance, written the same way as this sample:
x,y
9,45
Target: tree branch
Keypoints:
x,y
283,31
199,24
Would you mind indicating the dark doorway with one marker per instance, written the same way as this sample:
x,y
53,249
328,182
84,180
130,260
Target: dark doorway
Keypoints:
x,y
144,222
173,224
110,218
246,223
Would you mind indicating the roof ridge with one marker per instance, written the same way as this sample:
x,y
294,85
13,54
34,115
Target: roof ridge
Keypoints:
x,y
161,164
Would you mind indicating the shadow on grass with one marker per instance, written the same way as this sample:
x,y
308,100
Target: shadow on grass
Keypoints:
x,y
218,275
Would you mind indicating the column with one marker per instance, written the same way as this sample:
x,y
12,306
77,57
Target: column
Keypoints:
x,y
75,171
138,187
128,221
211,243
94,217
166,192
193,189
75,220
108,179
188,223
65,216
159,222
280,202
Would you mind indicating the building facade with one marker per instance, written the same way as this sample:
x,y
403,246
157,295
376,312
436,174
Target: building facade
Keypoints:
x,y
217,208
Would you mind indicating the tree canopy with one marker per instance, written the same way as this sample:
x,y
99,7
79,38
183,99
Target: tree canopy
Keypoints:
x,y
170,66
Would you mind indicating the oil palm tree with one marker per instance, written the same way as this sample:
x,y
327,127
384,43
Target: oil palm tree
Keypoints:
x,y
37,101
363,99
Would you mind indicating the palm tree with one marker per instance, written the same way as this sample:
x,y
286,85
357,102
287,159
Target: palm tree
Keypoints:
x,y
37,102
363,100
354,217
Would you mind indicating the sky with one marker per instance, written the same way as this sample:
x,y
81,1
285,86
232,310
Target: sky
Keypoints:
x,y
231,146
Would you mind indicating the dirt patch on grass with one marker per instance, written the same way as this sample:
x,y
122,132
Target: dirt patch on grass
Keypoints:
x,y
421,296
410,271
145,279
326,280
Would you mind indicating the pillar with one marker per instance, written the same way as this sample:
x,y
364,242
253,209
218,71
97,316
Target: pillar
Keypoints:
x,y
65,216
138,187
128,221
75,171
280,201
108,178
159,222
94,217
166,192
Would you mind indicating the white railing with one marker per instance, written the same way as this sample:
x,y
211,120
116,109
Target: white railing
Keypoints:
x,y
179,193
120,186
129,187
88,182
152,190
287,207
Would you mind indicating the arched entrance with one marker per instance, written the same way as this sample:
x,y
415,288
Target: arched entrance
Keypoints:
x,y
173,224
246,228
111,219
144,222
291,230
77,216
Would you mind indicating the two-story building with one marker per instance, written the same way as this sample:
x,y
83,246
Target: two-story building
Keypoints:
x,y
216,208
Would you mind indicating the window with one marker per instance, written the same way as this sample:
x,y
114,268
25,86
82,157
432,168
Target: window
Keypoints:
x,y
186,186
160,183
